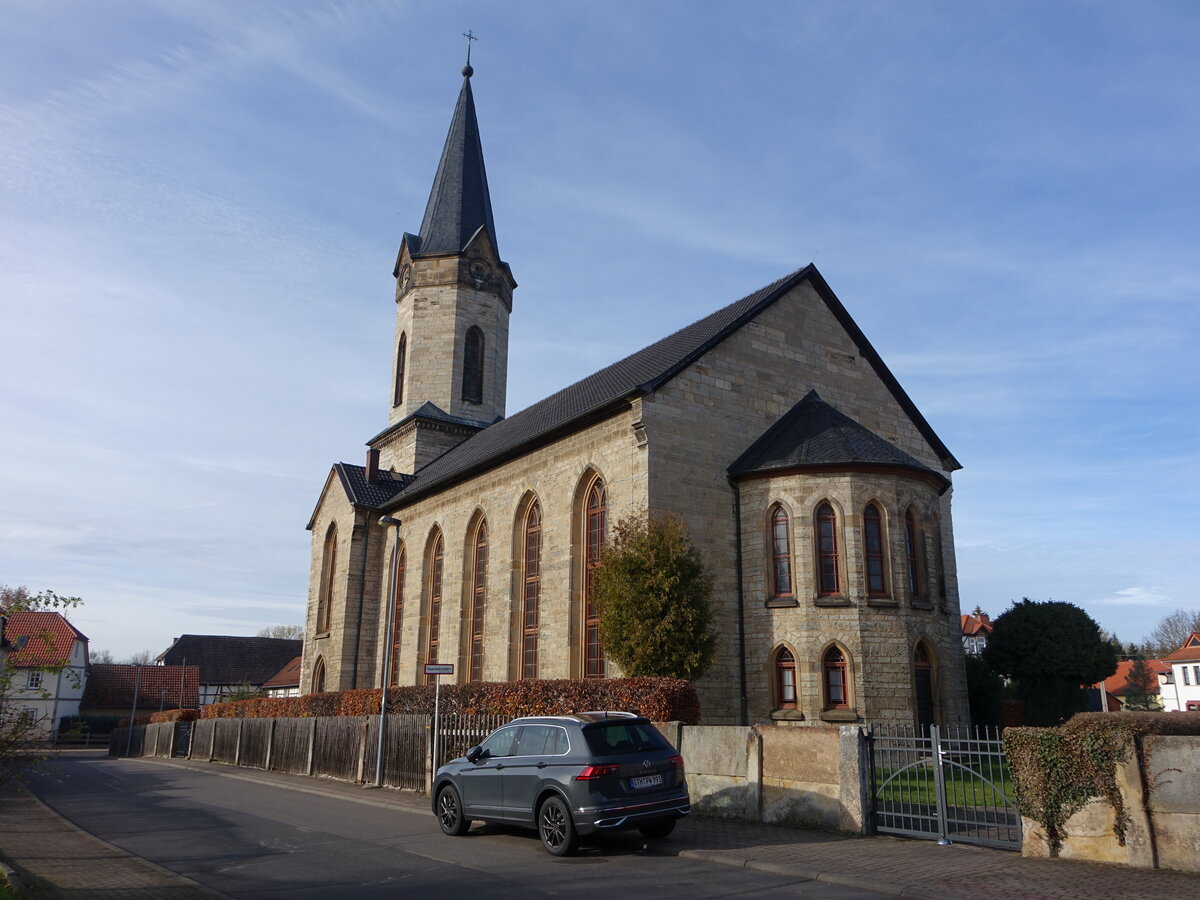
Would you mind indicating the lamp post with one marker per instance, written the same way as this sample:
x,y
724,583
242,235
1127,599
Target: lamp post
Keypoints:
x,y
387,646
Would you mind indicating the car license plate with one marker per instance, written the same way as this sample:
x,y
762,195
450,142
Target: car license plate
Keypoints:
x,y
645,781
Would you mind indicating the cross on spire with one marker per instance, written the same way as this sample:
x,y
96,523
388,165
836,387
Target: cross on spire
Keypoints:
x,y
470,36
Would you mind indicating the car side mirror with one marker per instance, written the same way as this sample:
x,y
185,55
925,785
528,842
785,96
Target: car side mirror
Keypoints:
x,y
474,754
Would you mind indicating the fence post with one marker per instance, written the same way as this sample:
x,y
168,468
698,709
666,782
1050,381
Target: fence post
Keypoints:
x,y
212,743
312,740
270,745
237,747
363,741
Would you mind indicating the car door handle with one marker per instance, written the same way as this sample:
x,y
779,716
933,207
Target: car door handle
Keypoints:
x,y
542,764
499,766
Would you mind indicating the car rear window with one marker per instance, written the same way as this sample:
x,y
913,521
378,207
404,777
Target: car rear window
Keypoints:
x,y
615,738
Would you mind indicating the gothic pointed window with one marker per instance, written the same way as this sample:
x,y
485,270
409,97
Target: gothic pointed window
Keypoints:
x,y
873,545
923,683
827,551
833,665
397,595
472,383
401,359
478,596
911,549
318,676
781,553
531,559
785,679
596,521
433,637
325,589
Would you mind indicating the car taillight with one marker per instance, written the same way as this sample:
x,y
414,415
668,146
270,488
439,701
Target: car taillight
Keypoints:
x,y
591,773
677,761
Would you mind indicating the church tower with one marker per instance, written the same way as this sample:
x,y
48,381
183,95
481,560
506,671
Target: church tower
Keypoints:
x,y
453,300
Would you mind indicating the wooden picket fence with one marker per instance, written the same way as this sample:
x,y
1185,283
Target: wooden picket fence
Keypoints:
x,y
340,747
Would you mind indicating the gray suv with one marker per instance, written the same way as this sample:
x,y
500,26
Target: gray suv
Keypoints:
x,y
567,777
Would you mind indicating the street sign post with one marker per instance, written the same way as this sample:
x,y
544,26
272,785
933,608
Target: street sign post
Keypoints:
x,y
436,669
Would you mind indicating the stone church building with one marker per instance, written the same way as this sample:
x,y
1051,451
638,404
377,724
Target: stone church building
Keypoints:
x,y
816,491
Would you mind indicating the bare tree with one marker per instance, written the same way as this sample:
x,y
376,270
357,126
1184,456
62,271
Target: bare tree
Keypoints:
x,y
1171,631
141,658
100,657
290,632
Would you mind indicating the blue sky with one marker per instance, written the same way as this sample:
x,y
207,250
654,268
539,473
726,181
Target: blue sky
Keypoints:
x,y
202,202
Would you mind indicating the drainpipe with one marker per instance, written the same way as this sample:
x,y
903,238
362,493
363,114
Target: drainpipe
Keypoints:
x,y
362,592
741,608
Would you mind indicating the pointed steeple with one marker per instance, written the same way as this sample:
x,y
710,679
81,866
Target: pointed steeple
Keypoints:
x,y
459,204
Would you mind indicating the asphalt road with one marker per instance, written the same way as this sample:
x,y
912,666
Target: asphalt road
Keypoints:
x,y
251,840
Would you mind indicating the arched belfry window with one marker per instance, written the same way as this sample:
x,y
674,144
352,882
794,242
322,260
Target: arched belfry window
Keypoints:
x,y
785,679
433,636
596,515
397,594
837,691
318,676
479,566
781,553
472,384
401,359
325,590
531,565
828,581
912,548
873,546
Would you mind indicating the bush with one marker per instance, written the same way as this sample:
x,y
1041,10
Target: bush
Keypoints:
x,y
660,699
175,715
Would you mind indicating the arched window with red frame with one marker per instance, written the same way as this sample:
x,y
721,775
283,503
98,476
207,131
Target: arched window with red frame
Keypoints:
x,y
596,520
401,361
328,570
433,638
397,594
828,564
785,679
781,553
478,598
318,676
873,546
531,559
836,683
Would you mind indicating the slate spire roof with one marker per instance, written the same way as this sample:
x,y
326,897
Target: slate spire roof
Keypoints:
x,y
814,434
459,203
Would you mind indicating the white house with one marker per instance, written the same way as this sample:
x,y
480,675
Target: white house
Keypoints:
x,y
1181,689
47,671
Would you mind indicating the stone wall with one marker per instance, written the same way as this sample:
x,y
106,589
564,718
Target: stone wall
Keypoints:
x,y
1164,826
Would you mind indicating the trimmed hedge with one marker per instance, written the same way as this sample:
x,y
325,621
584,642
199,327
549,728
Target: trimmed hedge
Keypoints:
x,y
659,699
175,715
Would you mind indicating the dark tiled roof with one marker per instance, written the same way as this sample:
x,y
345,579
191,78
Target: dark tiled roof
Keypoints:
x,y
367,493
288,676
49,639
228,659
111,687
813,433
459,203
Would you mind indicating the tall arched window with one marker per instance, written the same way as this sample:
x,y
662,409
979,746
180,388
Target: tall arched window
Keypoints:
x,y
596,514
397,594
939,559
531,568
325,591
401,359
472,385
827,551
478,597
785,679
837,692
436,559
911,547
781,553
923,684
873,541
318,676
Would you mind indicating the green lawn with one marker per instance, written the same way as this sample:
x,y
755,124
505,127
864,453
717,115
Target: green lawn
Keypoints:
x,y
963,788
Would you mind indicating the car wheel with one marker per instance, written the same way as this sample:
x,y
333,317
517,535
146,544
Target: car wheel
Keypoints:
x,y
556,829
450,812
656,830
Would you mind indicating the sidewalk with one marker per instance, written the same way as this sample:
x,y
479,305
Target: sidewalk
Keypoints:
x,y
62,861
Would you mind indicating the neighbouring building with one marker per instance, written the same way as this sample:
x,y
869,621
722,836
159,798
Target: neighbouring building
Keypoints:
x,y
285,682
1180,688
47,672
229,664
976,629
111,688
816,490
1113,698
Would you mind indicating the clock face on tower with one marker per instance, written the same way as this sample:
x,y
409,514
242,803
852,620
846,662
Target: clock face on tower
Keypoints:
x,y
479,271
405,277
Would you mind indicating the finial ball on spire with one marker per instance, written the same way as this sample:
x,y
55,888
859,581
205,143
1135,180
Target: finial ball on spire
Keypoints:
x,y
467,71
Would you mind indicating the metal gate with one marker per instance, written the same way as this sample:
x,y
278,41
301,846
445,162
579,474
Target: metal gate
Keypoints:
x,y
950,783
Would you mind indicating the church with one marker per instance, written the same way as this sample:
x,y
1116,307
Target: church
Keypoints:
x,y
817,493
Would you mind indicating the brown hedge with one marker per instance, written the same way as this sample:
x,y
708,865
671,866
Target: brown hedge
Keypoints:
x,y
660,699
1139,722
175,715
